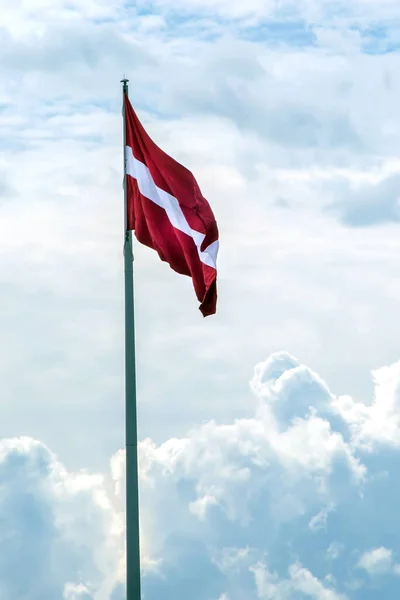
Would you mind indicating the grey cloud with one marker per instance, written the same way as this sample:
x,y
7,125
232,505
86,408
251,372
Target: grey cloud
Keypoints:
x,y
372,204
80,61
6,190
87,45
232,82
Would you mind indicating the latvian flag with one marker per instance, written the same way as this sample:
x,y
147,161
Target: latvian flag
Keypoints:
x,y
167,212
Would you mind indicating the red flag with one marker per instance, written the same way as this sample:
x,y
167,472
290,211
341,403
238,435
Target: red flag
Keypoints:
x,y
167,212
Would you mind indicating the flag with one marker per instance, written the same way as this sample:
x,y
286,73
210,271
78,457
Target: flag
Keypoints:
x,y
167,211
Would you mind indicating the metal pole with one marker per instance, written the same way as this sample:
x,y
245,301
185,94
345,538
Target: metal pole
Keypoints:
x,y
132,483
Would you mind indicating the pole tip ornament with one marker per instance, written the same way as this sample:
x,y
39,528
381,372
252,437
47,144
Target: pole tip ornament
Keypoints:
x,y
124,82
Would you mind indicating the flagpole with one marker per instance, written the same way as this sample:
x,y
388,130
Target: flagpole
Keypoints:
x,y
132,483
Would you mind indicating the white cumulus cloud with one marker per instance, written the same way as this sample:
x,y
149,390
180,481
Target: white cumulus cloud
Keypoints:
x,y
379,421
379,562
301,583
60,535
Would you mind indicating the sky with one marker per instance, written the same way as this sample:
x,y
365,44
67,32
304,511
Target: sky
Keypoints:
x,y
269,434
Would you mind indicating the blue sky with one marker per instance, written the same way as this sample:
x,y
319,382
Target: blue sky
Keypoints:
x,y
270,433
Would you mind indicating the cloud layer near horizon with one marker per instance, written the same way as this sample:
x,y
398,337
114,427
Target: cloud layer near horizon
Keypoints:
x,y
272,506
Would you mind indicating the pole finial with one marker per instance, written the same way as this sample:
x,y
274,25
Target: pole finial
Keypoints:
x,y
124,82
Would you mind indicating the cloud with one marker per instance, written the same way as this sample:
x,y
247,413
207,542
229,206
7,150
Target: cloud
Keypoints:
x,y
301,583
334,550
60,535
33,17
76,592
253,506
298,582
319,520
369,205
358,12
377,423
379,562
236,465
272,506
249,481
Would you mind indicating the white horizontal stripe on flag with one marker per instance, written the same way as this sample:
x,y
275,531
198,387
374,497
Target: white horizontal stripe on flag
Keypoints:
x,y
138,170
